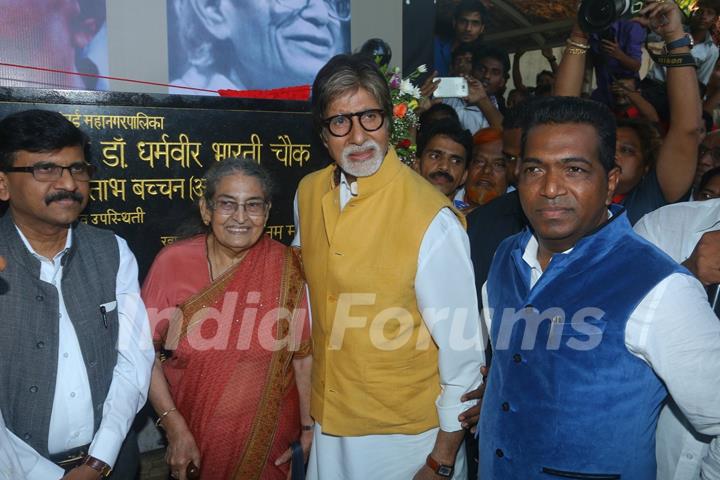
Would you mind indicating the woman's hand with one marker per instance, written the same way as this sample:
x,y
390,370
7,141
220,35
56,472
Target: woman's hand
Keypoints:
x,y
306,438
181,450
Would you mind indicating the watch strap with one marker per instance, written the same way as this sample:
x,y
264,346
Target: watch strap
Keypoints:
x,y
98,466
684,41
439,469
675,60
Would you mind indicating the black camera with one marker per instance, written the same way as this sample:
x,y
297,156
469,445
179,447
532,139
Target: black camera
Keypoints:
x,y
596,15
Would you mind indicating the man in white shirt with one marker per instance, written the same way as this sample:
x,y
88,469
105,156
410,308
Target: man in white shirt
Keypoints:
x,y
690,233
480,109
75,356
381,246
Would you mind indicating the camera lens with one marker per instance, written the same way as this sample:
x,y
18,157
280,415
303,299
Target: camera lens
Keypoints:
x,y
597,15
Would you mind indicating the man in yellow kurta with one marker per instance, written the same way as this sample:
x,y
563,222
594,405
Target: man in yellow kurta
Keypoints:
x,y
396,332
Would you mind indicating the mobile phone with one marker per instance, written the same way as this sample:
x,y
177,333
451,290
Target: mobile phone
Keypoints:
x,y
451,87
607,34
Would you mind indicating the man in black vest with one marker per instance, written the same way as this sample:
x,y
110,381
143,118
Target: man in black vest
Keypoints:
x,y
75,354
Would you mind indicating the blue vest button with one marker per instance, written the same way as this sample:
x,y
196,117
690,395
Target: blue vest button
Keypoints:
x,y
506,407
39,298
40,345
499,453
517,358
33,389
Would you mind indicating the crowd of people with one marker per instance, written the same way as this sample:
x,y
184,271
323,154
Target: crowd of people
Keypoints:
x,y
521,304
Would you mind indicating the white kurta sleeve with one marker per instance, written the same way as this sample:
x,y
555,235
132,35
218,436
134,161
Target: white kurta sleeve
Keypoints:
x,y
446,297
675,331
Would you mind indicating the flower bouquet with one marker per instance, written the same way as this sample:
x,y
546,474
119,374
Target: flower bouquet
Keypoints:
x,y
405,98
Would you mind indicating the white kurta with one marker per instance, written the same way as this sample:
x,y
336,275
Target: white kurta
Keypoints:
x,y
681,451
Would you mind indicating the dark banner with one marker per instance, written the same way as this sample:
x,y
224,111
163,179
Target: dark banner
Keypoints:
x,y
152,150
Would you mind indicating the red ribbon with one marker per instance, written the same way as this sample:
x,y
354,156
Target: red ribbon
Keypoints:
x,y
301,92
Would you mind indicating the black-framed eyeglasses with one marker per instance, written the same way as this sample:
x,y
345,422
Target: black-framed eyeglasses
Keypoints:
x,y
370,120
52,172
714,152
254,207
338,9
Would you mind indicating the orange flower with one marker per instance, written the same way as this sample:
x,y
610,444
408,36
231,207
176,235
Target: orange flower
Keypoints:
x,y
400,110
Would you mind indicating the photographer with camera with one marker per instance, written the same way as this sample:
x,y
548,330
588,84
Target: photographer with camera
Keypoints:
x,y
616,53
644,187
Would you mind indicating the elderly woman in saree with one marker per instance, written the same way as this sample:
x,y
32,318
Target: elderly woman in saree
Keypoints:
x,y
231,385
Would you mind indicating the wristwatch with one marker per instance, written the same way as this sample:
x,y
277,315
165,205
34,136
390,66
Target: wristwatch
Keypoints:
x,y
439,469
684,41
98,466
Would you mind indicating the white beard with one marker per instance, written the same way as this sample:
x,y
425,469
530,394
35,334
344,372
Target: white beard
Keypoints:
x,y
364,168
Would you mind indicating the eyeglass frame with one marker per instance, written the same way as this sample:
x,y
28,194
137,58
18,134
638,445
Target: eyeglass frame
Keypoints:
x,y
349,116
90,169
333,12
266,203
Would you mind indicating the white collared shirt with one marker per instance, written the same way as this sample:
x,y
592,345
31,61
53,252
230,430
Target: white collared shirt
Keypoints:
x,y
471,117
72,421
10,468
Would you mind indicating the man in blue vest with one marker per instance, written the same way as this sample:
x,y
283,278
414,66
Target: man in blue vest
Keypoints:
x,y
587,320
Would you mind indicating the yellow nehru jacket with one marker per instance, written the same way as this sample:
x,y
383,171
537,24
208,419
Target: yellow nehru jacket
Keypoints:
x,y
375,366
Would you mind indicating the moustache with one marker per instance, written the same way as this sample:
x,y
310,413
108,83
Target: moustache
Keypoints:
x,y
367,145
58,196
488,182
440,173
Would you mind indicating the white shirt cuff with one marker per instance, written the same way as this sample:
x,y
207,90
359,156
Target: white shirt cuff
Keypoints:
x,y
106,446
448,414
